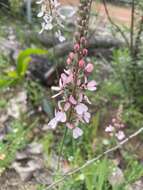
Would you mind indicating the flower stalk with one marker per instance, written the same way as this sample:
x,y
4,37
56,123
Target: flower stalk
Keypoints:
x,y
72,108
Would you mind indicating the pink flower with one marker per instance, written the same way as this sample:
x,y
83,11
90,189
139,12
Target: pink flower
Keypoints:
x,y
76,47
77,132
81,109
89,68
72,100
83,41
85,51
91,85
59,117
109,129
120,135
81,63
53,124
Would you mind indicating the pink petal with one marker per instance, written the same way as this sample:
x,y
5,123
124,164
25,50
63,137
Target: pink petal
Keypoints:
x,y
77,132
109,129
89,68
64,79
87,117
92,85
81,108
52,124
120,135
72,100
69,78
61,116
67,106
70,126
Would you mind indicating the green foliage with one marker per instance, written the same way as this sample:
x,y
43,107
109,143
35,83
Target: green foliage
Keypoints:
x,y
134,171
23,60
96,175
13,141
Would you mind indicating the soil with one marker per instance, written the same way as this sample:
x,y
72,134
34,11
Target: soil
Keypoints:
x,y
118,13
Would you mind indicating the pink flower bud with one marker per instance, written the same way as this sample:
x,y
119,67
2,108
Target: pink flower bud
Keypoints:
x,y
71,55
89,68
83,40
85,51
68,61
76,47
81,63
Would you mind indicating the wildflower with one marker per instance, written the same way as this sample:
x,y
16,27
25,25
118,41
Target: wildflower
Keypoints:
x,y
59,117
73,82
120,135
51,17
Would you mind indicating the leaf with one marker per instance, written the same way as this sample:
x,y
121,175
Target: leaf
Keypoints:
x,y
6,82
12,74
47,108
24,59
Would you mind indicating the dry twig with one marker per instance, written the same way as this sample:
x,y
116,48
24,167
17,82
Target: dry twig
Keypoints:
x,y
89,162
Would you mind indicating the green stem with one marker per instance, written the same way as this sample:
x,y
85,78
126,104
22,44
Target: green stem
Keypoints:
x,y
61,148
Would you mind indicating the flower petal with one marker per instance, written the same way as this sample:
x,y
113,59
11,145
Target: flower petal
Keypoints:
x,y
61,117
92,85
52,124
77,132
87,117
81,108
72,100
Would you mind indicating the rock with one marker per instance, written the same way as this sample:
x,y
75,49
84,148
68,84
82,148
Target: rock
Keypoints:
x,y
138,185
21,156
34,148
26,172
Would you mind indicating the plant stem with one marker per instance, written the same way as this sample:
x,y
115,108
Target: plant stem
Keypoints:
x,y
61,148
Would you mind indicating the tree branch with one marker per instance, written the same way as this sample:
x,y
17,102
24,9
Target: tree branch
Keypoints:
x,y
89,162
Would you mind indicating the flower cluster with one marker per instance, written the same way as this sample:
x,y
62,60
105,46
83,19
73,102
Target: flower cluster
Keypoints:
x,y
72,109
74,81
51,17
117,126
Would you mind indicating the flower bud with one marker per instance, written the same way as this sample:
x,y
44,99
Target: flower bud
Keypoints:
x,y
76,47
89,68
81,63
85,51
83,40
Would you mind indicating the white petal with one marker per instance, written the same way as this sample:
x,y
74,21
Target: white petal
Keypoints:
x,y
81,108
56,88
39,2
40,14
61,116
87,117
52,124
77,132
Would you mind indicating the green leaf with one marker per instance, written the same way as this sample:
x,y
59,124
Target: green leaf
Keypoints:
x,y
24,59
6,82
